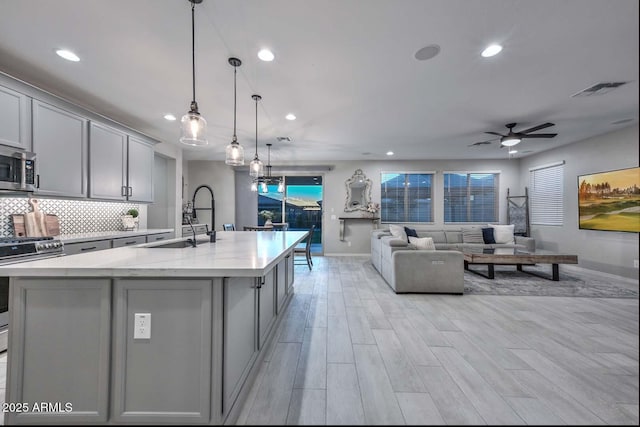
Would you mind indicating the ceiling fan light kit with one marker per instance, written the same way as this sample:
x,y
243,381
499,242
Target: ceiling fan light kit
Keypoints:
x,y
234,153
193,127
513,138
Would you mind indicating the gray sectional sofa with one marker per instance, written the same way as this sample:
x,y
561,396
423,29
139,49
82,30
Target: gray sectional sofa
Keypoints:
x,y
406,269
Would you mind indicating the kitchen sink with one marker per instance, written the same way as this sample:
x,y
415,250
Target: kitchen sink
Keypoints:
x,y
174,245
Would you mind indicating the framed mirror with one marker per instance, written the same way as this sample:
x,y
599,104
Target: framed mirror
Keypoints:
x,y
358,192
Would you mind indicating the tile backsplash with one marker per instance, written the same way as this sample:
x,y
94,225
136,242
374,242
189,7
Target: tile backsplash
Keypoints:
x,y
76,216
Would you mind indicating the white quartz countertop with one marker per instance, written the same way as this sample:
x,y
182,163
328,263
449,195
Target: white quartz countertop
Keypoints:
x,y
105,235
234,254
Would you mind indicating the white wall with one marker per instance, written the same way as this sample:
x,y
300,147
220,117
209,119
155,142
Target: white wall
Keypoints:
x,y
172,209
605,251
221,179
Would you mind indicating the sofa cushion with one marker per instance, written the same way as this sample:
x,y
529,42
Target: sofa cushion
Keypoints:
x,y
398,231
453,236
422,243
503,233
437,236
487,235
410,232
472,235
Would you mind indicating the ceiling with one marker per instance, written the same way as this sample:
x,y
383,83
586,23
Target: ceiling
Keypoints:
x,y
345,68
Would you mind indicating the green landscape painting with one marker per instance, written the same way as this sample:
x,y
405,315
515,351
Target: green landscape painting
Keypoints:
x,y
610,200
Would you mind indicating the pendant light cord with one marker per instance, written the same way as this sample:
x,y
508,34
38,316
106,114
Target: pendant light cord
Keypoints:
x,y
256,128
193,50
235,72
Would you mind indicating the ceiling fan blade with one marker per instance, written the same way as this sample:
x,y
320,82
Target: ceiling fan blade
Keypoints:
x,y
475,144
539,135
535,128
495,133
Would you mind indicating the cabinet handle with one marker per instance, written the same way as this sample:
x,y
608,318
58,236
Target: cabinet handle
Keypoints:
x,y
38,181
123,191
130,243
88,249
159,238
130,192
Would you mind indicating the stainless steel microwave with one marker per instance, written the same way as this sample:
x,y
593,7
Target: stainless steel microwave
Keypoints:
x,y
17,170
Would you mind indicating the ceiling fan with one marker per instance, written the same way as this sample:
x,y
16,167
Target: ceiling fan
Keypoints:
x,y
512,138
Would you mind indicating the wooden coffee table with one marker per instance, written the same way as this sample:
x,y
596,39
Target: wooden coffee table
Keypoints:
x,y
519,258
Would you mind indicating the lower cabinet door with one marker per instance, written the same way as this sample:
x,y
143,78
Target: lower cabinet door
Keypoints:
x,y
165,376
266,307
240,344
59,354
129,241
281,285
290,270
82,247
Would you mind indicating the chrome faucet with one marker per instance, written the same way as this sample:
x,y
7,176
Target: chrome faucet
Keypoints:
x,y
192,241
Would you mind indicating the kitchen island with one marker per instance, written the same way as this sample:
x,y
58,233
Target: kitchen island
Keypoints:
x,y
152,333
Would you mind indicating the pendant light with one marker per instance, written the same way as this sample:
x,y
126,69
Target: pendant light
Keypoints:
x,y
234,152
268,179
193,128
256,168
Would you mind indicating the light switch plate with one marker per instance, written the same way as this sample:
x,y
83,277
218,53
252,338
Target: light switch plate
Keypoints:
x,y
142,326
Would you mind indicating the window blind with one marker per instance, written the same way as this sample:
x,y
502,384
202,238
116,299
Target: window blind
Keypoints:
x,y
470,197
406,197
546,198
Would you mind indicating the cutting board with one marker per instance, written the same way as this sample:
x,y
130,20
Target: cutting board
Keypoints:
x,y
34,222
51,225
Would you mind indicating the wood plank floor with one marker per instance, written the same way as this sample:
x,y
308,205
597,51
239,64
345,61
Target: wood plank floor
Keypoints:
x,y
357,353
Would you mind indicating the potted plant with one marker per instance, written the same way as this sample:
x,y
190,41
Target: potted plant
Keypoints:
x,y
130,220
268,216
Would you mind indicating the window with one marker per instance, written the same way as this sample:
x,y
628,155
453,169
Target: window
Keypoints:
x,y
406,197
470,197
546,195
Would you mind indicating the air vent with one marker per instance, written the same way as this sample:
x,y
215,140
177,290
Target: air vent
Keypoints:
x,y
600,89
283,139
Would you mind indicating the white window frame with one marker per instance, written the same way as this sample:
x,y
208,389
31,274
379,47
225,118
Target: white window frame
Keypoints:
x,y
433,182
497,174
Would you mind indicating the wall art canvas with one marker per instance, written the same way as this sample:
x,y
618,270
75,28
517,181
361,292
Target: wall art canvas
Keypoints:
x,y
610,200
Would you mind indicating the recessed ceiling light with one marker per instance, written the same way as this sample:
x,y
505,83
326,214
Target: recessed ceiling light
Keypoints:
x,y
427,52
266,55
169,117
389,153
513,151
68,55
290,116
491,50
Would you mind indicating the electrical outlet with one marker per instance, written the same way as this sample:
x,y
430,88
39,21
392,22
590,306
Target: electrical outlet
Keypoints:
x,y
635,264
142,326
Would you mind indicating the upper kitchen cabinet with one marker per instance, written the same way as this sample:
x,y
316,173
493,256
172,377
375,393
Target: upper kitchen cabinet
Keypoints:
x,y
140,170
107,163
120,165
60,142
15,119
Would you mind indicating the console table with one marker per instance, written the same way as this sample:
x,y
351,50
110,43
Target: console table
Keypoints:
x,y
351,218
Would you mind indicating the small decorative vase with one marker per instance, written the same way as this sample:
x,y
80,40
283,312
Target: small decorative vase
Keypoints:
x,y
128,223
268,223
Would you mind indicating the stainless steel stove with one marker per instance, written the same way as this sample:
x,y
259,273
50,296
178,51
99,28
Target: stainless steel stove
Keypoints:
x,y
20,249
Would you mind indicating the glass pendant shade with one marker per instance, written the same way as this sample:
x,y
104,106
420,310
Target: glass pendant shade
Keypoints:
x,y
254,186
193,129
280,186
234,154
263,187
256,168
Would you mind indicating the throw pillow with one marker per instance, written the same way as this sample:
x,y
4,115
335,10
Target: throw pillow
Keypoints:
x,y
503,233
410,232
398,231
487,235
422,243
472,235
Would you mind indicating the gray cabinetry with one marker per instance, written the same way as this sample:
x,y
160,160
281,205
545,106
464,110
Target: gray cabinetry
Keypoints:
x,y
266,307
15,119
140,170
82,247
121,166
60,141
159,236
129,241
199,228
166,378
290,271
107,162
60,353
240,343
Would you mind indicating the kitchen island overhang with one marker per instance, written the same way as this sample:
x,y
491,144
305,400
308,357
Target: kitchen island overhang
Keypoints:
x,y
214,309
